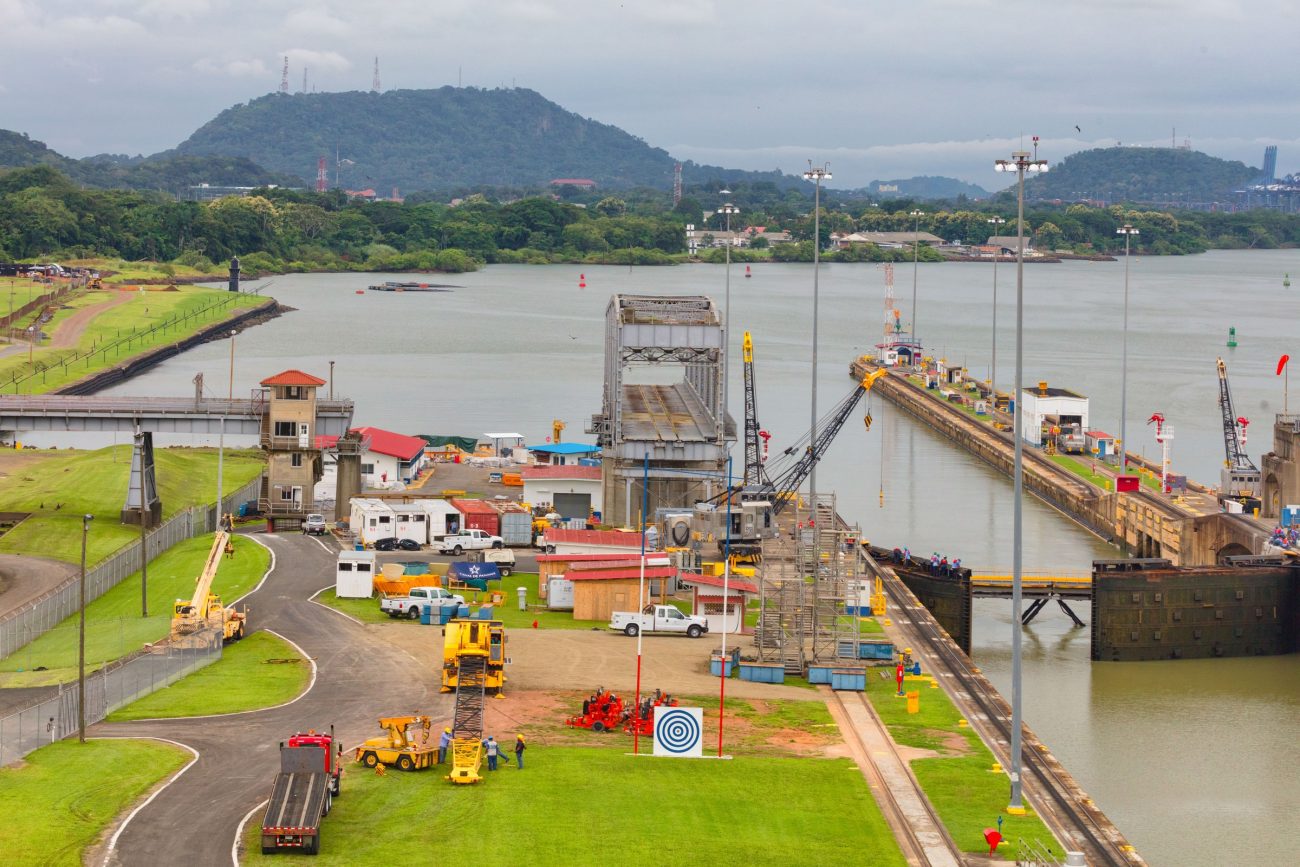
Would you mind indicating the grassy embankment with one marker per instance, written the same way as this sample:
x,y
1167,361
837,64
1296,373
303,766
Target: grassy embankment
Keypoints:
x,y
113,625
146,320
60,800
260,671
753,811
959,781
59,487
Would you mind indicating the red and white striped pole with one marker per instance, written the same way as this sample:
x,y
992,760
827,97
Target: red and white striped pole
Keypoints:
x,y
640,607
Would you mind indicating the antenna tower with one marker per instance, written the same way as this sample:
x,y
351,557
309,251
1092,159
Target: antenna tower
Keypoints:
x,y
374,82
322,176
892,324
284,76
677,184
304,79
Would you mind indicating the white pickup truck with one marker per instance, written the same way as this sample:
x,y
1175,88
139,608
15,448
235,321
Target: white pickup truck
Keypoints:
x,y
468,541
658,618
409,605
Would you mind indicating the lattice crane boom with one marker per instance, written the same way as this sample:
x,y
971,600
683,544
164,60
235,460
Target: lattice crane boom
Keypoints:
x,y
1236,457
754,472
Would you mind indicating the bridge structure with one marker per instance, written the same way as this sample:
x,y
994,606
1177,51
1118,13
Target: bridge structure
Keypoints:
x,y
283,414
662,403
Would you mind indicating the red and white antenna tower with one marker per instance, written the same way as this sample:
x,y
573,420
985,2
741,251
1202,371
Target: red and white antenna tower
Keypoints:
x,y
374,82
1164,436
284,76
677,184
322,176
892,325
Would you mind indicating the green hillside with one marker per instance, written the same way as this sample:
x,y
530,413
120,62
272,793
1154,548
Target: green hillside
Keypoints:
x,y
1130,174
924,187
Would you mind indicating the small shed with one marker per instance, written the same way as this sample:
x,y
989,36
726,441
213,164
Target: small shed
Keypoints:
x,y
478,515
410,521
1100,443
603,587
354,575
560,541
556,565
722,614
442,517
371,519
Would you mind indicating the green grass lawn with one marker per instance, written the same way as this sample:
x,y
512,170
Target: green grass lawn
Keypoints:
x,y
62,486
960,784
113,625
260,671
130,272
572,805
63,796
143,311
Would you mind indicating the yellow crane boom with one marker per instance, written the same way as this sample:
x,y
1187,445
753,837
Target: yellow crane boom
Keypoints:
x,y
204,607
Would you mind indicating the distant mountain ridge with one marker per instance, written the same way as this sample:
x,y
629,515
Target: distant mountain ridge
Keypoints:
x,y
1141,174
924,187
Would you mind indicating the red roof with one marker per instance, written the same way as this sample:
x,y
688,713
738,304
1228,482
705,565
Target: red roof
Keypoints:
x,y
292,377
611,538
622,574
473,507
585,558
570,472
652,561
392,444
1099,434
734,583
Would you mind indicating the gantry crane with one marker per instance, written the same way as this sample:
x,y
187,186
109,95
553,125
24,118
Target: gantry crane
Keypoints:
x,y
1240,479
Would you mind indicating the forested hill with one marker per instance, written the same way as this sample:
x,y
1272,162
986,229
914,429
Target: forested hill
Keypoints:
x,y
445,139
172,173
1125,174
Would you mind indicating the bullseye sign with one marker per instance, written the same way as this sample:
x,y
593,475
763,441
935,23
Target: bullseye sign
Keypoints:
x,y
679,732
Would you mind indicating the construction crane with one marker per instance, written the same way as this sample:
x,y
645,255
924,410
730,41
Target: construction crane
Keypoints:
x,y
557,427
1240,479
754,472
475,650
204,608
399,745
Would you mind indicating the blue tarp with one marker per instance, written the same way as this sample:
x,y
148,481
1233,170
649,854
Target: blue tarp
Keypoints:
x,y
564,449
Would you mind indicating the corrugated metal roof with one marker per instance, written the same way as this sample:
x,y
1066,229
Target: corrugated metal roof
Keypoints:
x,y
735,583
564,449
624,574
571,472
611,538
584,558
473,507
392,444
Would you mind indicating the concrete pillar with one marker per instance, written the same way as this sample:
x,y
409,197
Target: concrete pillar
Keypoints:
x,y
347,484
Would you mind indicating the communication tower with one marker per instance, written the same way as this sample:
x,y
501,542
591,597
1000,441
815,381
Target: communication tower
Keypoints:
x,y
322,176
892,323
374,82
304,79
284,76
677,184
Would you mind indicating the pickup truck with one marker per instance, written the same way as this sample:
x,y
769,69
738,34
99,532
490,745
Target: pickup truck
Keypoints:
x,y
469,540
658,618
409,605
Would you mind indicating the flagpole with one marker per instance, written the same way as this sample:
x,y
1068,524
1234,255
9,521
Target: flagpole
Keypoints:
x,y
726,607
636,708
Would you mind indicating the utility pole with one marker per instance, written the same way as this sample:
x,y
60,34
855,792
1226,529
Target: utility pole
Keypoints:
x,y
81,638
816,175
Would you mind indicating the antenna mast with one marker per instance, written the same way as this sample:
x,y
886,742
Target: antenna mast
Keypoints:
x,y
677,184
284,76
374,82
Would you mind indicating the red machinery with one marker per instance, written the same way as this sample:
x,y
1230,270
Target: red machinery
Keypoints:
x,y
643,723
600,713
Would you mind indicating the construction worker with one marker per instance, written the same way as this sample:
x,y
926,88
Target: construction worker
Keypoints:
x,y
491,748
230,549
519,752
444,741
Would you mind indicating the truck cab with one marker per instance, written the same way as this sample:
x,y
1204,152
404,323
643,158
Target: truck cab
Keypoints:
x,y
469,540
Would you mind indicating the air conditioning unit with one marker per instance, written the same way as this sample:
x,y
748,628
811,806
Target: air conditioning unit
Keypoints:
x,y
678,529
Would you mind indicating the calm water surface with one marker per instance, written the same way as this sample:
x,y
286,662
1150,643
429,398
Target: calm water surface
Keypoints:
x,y
1196,761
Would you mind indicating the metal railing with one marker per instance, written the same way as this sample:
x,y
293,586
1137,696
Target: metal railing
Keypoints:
x,y
112,687
40,615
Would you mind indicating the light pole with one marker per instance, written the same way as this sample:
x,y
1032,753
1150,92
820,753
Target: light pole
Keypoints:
x,y
816,174
727,209
1128,232
221,441
81,639
915,214
1019,163
995,222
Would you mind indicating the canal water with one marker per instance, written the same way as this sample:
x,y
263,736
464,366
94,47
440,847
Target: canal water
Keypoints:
x,y
1196,761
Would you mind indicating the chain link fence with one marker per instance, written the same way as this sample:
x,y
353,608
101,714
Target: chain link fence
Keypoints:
x,y
32,620
112,687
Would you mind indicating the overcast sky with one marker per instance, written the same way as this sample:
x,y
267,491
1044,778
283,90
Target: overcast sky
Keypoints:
x,y
880,90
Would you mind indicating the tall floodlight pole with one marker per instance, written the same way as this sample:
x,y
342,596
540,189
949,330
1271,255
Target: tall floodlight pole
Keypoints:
x,y
995,222
1019,163
1128,232
221,437
816,174
640,605
727,209
915,214
81,639
726,606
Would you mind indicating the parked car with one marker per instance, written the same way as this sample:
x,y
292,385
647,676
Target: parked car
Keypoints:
x,y
314,525
392,543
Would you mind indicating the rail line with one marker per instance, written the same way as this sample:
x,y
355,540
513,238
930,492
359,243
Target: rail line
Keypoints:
x,y
1075,820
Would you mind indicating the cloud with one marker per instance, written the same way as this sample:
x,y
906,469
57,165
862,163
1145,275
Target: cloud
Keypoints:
x,y
236,68
316,21
317,61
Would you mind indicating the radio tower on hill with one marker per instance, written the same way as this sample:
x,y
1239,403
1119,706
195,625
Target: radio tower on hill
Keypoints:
x,y
284,76
322,176
677,184
374,82
892,324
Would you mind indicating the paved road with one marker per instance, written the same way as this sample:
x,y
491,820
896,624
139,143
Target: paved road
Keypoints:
x,y
24,578
359,678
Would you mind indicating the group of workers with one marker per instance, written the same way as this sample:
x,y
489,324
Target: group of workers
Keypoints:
x,y
491,749
1288,537
936,565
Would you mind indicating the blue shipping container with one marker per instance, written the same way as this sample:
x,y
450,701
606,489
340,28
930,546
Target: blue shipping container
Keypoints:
x,y
819,673
876,650
762,673
849,679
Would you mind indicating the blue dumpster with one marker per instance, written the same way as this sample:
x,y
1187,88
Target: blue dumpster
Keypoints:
x,y
819,673
849,679
445,613
426,615
718,663
759,672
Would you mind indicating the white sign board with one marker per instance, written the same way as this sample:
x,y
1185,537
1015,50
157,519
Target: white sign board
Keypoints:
x,y
679,732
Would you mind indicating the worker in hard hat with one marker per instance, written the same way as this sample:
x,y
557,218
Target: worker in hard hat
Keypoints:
x,y
519,752
444,741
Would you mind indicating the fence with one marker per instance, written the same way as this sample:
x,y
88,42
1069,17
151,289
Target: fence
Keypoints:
x,y
108,689
45,299
44,613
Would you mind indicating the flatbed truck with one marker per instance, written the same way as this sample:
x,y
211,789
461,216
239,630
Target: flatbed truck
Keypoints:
x,y
310,778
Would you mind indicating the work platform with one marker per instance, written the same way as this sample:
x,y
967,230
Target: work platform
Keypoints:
x,y
240,416
665,413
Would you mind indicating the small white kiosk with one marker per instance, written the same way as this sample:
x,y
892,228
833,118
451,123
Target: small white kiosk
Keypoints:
x,y
354,576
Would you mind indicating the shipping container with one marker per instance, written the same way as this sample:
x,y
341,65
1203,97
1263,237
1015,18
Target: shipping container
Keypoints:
x,y
516,523
479,516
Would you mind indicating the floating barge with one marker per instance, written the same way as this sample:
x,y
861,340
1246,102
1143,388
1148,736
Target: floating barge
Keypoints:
x,y
395,286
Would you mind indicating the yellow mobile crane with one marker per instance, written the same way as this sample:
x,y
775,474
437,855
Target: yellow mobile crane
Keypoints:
x,y
400,746
473,662
205,608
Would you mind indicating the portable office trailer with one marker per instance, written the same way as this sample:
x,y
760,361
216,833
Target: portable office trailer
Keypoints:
x,y
371,520
443,519
354,575
410,521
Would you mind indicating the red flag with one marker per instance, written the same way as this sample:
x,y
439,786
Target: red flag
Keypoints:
x,y
1281,363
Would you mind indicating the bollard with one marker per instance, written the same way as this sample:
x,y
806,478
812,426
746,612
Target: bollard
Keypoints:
x,y
523,597
913,702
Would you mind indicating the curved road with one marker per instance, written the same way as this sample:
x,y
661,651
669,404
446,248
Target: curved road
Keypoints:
x,y
359,679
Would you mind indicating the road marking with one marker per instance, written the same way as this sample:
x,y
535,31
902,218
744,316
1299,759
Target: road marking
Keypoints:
x,y
269,570
239,832
112,841
312,599
323,546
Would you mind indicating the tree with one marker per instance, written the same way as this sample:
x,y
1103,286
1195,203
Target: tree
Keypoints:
x,y
1048,236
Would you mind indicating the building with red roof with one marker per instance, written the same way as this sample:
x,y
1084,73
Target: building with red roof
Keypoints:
x,y
389,458
575,491
720,612
601,587
560,541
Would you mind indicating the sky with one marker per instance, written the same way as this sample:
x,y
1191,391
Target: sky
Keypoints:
x,y
878,90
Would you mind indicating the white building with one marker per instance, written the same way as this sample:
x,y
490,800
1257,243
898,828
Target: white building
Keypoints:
x,y
371,520
573,491
1043,402
354,576
722,614
388,458
410,521
442,518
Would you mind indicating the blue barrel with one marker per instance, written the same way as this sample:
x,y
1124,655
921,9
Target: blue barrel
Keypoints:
x,y
444,614
426,615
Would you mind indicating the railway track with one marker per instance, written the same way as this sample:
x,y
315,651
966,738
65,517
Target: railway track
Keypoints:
x,y
917,827
1059,800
